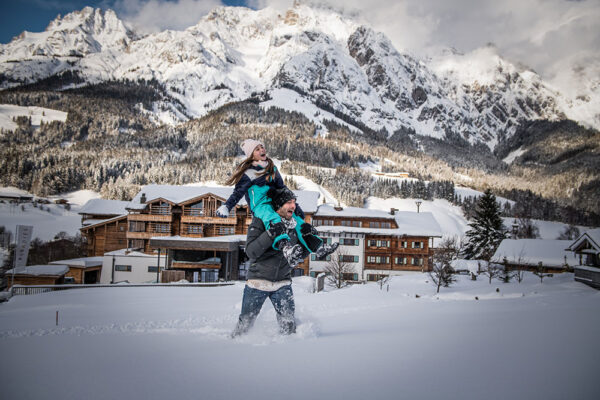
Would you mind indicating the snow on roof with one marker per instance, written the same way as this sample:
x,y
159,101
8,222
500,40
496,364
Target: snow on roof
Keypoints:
x,y
38,270
103,221
225,238
80,262
129,253
326,210
179,194
533,251
418,223
89,222
104,207
593,236
409,223
11,191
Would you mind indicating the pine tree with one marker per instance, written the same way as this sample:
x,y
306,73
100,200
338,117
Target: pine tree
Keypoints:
x,y
486,231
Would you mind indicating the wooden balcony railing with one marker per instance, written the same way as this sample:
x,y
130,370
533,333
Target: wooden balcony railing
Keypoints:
x,y
204,212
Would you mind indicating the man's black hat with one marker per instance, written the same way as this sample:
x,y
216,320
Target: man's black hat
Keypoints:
x,y
280,196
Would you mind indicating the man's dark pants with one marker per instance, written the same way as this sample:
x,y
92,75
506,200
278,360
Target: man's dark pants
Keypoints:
x,y
283,302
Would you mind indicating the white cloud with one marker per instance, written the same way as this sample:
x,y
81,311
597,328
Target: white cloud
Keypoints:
x,y
158,15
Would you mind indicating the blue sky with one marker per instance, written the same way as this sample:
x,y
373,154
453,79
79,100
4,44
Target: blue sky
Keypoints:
x,y
34,15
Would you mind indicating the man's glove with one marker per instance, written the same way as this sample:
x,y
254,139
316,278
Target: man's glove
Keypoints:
x,y
308,229
276,230
223,211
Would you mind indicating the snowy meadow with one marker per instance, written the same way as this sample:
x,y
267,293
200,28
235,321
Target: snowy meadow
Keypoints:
x,y
523,341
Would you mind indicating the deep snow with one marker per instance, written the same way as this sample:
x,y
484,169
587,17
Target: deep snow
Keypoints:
x,y
529,341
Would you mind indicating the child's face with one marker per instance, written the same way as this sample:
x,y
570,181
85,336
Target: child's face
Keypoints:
x,y
259,153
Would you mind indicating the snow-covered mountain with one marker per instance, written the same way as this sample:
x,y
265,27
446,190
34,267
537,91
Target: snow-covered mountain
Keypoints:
x,y
330,60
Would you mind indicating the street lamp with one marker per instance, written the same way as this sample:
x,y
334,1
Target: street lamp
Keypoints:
x,y
418,203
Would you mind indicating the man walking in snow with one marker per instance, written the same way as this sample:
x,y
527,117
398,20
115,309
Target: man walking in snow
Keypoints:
x,y
269,274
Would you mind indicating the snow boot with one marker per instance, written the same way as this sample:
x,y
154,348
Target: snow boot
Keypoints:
x,y
293,254
326,250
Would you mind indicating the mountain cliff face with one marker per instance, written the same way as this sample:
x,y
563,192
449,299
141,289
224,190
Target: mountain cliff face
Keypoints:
x,y
349,69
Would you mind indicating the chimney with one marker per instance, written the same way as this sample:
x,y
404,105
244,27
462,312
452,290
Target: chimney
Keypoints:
x,y
143,198
393,211
338,207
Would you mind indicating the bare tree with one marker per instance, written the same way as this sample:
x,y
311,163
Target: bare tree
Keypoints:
x,y
492,270
442,273
519,271
336,268
570,232
540,271
527,229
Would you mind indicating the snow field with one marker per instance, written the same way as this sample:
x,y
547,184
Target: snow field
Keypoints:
x,y
37,114
530,340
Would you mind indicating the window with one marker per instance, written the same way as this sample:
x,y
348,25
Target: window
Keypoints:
x,y
349,242
347,258
194,229
378,259
154,268
403,244
377,224
161,228
137,226
136,244
375,277
348,276
400,260
161,208
417,261
379,243
326,240
417,245
323,222
355,224
123,268
314,258
225,230
196,209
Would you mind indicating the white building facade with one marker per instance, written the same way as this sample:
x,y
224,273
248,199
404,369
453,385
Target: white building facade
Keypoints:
x,y
130,266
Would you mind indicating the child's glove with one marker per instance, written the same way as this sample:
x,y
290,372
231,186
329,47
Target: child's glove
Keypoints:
x,y
308,229
276,230
223,211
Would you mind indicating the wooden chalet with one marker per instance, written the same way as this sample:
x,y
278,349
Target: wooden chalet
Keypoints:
x,y
379,242
108,235
181,221
37,275
82,270
586,249
100,210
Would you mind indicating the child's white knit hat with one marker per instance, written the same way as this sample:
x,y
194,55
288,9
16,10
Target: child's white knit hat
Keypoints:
x,y
249,145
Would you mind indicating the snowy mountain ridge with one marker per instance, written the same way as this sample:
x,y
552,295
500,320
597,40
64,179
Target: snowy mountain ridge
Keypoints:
x,y
331,61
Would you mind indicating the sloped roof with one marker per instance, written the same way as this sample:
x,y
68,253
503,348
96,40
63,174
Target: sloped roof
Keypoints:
x,y
409,223
41,270
593,236
104,207
326,210
179,194
80,262
550,253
